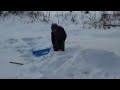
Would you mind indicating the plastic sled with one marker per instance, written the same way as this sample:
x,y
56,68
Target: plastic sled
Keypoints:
x,y
41,52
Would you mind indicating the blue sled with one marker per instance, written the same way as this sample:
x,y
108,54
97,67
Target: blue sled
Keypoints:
x,y
41,52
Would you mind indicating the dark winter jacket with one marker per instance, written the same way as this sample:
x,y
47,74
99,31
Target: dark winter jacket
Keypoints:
x,y
58,34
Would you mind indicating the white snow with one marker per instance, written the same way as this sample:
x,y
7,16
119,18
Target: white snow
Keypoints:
x,y
90,53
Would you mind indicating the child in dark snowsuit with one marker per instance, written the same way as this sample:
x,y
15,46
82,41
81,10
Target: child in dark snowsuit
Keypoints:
x,y
58,37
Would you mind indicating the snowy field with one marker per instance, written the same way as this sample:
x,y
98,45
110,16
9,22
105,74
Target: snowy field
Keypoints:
x,y
89,54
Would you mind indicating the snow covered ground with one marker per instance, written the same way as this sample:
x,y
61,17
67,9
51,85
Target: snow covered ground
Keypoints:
x,y
90,53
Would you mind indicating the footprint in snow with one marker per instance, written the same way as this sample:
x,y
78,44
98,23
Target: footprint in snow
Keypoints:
x,y
12,41
31,41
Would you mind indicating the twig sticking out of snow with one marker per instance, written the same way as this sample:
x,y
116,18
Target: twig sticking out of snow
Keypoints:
x,y
17,63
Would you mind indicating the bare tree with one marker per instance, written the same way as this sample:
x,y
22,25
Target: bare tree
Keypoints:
x,y
86,12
